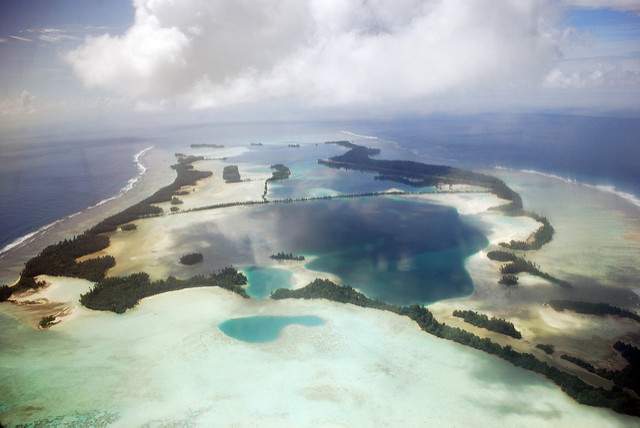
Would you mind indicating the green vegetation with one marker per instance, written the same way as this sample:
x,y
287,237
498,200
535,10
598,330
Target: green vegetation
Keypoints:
x,y
286,256
174,209
502,256
420,174
60,259
121,293
540,237
509,280
494,324
176,201
230,174
128,227
598,309
5,293
616,399
520,264
280,172
48,321
212,146
548,349
186,176
295,146
191,259
325,289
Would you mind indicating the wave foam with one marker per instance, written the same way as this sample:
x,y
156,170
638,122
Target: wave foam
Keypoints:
x,y
353,134
629,197
132,181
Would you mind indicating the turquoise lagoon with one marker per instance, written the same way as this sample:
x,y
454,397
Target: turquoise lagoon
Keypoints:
x,y
264,328
263,280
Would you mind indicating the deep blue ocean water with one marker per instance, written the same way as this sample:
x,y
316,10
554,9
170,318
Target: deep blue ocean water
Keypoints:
x,y
43,182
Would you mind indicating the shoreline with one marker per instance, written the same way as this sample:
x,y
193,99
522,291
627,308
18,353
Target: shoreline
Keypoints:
x,y
411,194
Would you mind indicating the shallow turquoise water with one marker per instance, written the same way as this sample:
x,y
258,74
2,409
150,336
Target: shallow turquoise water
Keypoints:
x,y
264,280
264,328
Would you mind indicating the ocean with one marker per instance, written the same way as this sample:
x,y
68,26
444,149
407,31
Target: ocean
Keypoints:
x,y
43,182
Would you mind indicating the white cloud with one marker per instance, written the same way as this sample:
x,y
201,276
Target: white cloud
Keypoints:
x,y
22,104
20,38
200,53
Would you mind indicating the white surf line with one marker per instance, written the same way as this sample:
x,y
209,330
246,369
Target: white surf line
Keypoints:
x,y
353,134
29,237
629,197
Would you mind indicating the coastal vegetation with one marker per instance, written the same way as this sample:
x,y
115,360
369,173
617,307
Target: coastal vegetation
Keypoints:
x,y
128,227
508,279
286,256
191,259
47,321
502,256
230,174
181,193
542,236
5,293
280,172
60,259
294,146
118,294
176,201
174,209
616,398
548,349
598,309
498,325
520,264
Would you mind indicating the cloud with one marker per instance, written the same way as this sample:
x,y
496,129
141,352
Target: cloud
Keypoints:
x,y
201,54
23,104
22,39
3,40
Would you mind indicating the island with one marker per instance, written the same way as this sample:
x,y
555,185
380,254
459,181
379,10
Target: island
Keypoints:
x,y
118,294
616,399
256,144
497,325
597,309
286,256
547,349
128,227
295,146
191,259
230,174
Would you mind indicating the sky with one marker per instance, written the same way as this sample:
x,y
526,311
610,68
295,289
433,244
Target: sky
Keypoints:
x,y
115,61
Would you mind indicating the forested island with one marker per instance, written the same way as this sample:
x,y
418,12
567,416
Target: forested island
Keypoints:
x,y
60,259
118,294
191,259
211,146
616,399
279,172
230,174
128,227
597,309
286,256
537,239
294,146
516,264
628,377
548,349
498,325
